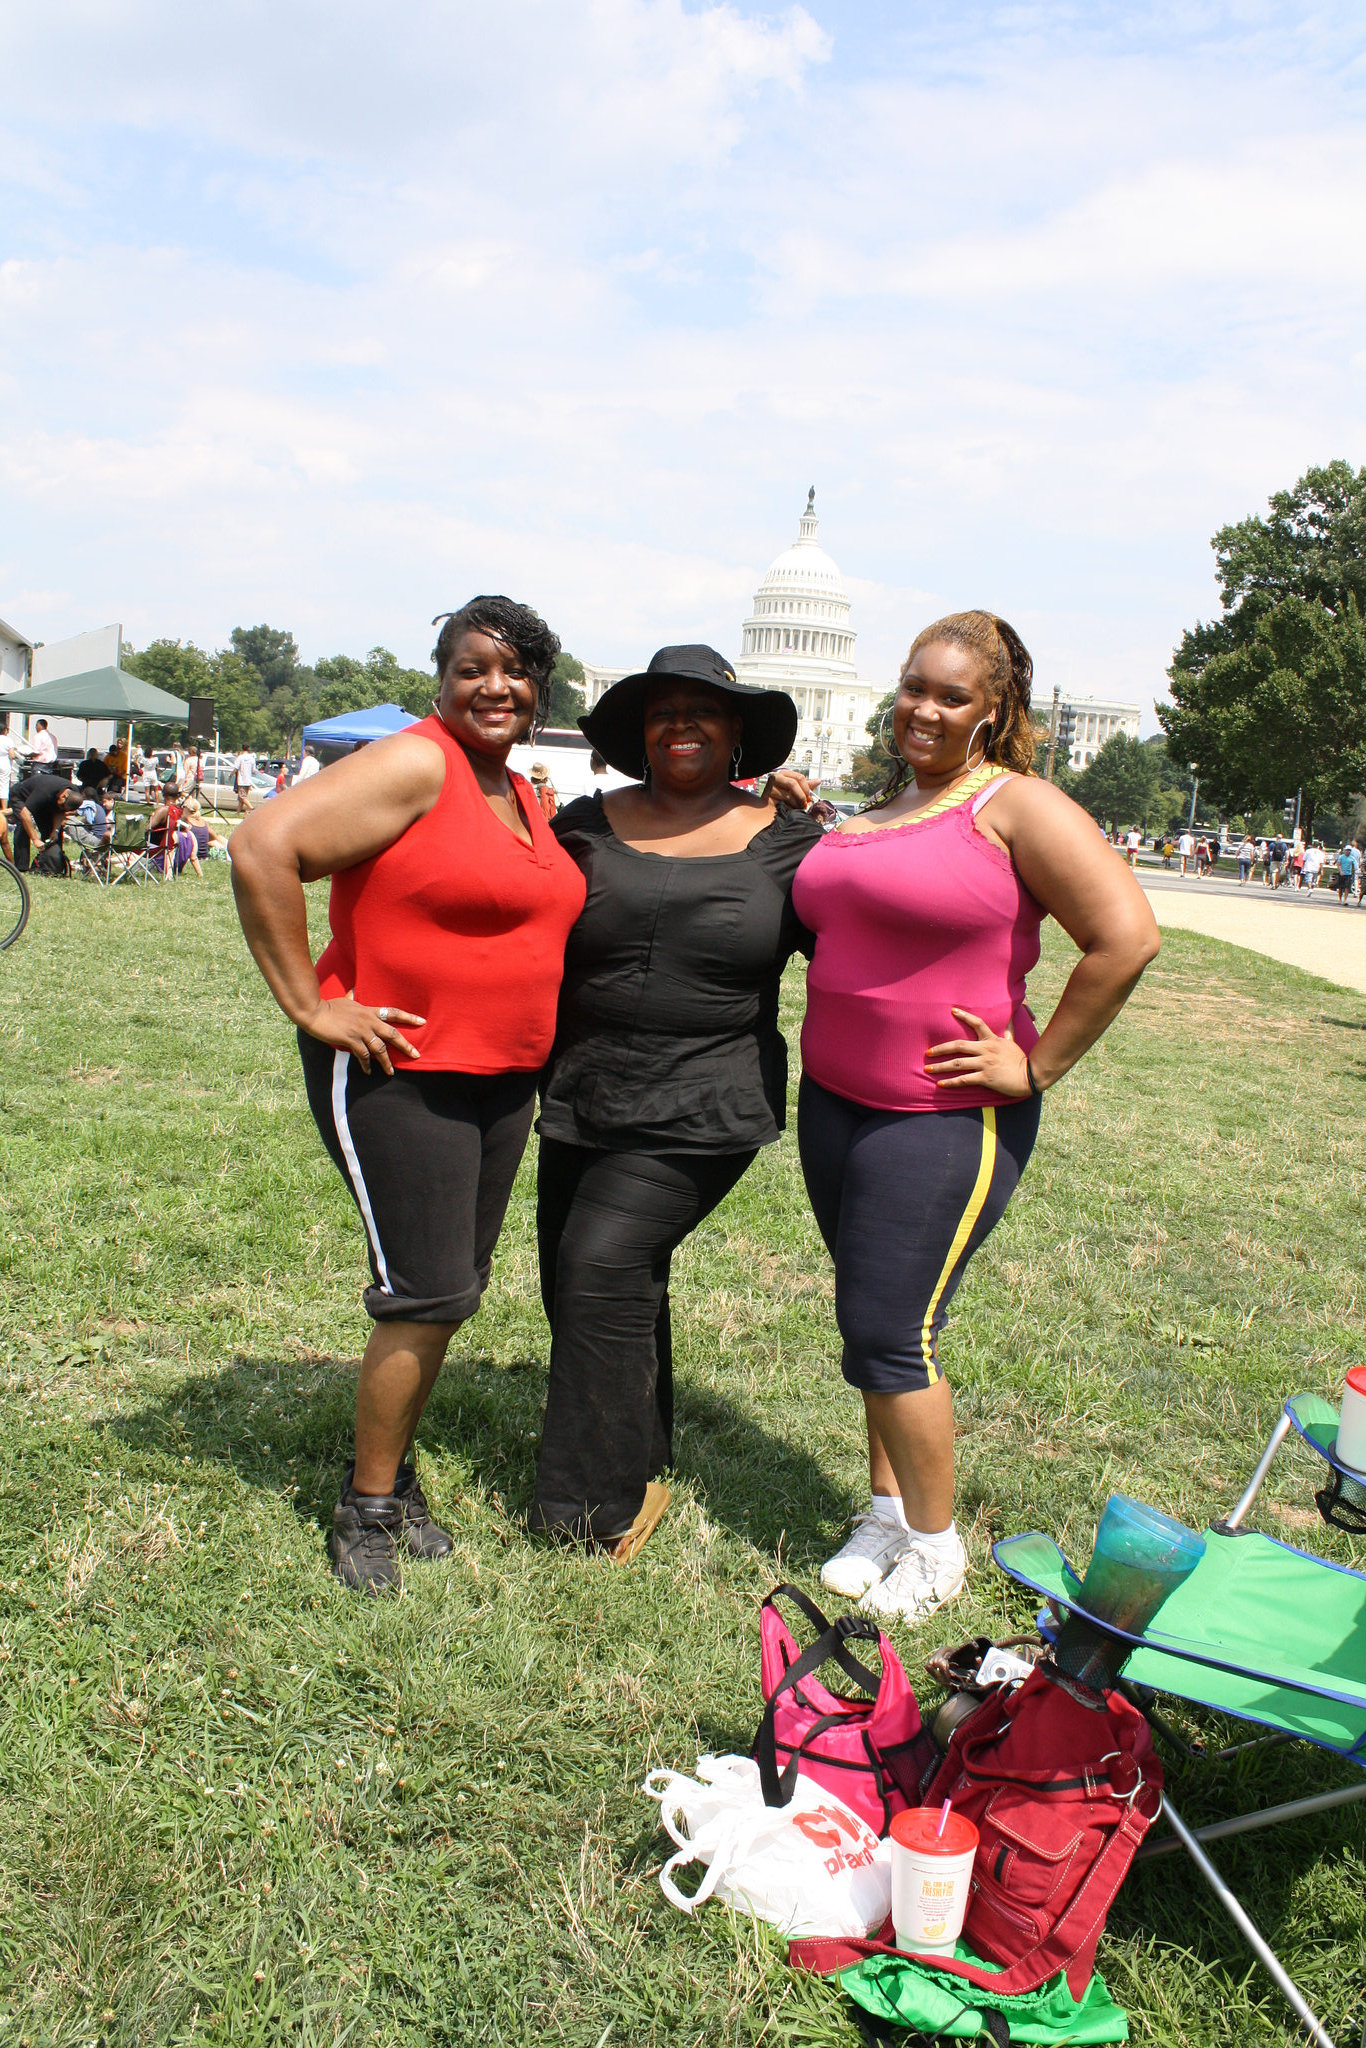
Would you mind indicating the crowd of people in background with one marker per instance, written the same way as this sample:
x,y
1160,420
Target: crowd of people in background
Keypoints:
x,y
51,810
1277,861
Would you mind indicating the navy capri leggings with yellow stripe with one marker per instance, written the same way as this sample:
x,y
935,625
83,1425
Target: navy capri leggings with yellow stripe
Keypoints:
x,y
903,1198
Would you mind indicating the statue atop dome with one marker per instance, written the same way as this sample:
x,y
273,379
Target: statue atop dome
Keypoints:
x,y
811,501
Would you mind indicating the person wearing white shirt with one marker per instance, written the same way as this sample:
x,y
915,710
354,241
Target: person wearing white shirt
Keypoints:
x,y
309,765
1132,844
243,769
42,748
1185,846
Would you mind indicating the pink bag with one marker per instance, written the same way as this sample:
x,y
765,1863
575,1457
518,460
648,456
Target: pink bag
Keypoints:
x,y
872,1751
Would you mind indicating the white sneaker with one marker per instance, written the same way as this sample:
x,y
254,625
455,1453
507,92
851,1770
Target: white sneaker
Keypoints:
x,y
873,1548
917,1583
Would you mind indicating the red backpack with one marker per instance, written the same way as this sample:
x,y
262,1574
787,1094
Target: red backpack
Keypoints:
x,y
1061,1788
872,1751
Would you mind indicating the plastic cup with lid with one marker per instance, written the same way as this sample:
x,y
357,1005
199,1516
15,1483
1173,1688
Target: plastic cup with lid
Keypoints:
x,y
1351,1443
931,1878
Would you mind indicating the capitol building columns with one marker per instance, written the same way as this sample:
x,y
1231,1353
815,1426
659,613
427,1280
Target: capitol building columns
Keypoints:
x,y
799,638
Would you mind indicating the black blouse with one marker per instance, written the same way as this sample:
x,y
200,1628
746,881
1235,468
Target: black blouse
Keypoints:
x,y
668,1034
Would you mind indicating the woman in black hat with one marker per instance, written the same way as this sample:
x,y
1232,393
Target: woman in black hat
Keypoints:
x,y
668,1071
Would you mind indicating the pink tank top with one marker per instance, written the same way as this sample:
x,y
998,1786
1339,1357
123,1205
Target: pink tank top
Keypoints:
x,y
911,922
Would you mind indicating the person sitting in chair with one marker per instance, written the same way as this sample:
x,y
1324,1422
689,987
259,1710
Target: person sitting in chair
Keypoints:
x,y
162,827
89,826
93,772
195,841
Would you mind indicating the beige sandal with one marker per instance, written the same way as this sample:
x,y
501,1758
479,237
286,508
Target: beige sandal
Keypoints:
x,y
644,1526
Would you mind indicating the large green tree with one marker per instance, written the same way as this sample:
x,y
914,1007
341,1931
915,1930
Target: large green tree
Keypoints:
x,y
347,684
1271,696
180,668
1120,787
873,765
567,702
270,651
187,671
239,695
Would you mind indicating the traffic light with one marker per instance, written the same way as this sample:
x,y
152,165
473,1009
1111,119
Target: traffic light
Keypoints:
x,y
1067,725
1288,813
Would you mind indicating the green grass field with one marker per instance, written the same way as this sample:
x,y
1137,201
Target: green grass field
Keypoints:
x,y
242,1806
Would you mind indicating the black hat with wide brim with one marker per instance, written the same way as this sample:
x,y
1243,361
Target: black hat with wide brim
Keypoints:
x,y
616,724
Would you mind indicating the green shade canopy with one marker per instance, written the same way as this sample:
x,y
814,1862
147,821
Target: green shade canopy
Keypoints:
x,y
99,693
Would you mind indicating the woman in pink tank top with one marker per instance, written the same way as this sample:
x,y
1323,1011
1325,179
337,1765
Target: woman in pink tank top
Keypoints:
x,y
923,1069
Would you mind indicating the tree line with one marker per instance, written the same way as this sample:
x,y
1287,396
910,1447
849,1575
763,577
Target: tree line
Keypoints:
x,y
264,693
1269,699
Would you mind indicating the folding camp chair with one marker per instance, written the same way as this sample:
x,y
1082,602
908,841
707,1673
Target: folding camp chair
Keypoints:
x,y
1259,1631
129,857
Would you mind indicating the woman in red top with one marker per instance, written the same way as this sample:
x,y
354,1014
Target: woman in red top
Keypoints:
x,y
425,1024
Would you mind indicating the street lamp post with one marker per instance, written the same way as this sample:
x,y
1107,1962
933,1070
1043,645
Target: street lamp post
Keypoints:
x,y
1053,733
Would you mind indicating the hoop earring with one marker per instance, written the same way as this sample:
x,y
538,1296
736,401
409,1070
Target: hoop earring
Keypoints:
x,y
735,760
887,737
990,724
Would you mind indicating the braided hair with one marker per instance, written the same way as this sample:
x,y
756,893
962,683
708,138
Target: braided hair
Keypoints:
x,y
517,626
1007,670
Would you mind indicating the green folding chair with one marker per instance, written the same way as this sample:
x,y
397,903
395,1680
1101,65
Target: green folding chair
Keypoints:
x,y
129,857
1259,1631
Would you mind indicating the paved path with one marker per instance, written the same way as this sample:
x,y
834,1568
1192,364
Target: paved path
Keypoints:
x,y
1309,931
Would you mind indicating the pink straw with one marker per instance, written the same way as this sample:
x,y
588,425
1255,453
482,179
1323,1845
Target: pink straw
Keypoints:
x,y
943,1817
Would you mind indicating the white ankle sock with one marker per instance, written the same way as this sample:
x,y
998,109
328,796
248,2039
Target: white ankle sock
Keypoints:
x,y
941,1545
887,1506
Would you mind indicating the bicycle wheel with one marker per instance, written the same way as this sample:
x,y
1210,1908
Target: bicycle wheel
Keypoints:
x,y
13,904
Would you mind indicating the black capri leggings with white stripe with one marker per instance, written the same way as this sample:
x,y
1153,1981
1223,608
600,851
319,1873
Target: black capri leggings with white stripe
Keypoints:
x,y
903,1199
429,1160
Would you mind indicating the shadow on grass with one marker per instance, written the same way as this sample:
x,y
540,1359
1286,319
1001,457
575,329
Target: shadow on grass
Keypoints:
x,y
285,1426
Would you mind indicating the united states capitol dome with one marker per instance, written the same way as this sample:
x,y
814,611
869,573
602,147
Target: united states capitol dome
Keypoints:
x,y
805,566
799,638
800,613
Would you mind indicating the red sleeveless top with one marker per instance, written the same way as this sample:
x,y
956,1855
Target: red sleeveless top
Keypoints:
x,y
461,923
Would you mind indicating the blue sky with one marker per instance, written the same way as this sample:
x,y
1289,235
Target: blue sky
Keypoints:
x,y
331,316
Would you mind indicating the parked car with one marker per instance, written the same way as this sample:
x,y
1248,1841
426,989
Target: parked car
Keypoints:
x,y
217,786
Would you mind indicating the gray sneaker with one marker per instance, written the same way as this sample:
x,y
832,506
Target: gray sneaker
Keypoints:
x,y
363,1545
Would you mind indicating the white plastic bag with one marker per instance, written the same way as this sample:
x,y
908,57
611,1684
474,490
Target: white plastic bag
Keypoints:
x,y
810,1867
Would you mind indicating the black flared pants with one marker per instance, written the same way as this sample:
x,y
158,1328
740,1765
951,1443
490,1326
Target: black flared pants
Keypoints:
x,y
608,1224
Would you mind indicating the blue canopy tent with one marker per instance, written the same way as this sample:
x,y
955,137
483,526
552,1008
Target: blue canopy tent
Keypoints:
x,y
352,728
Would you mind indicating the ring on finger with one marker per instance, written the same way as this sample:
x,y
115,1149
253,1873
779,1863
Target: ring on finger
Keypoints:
x,y
383,1016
